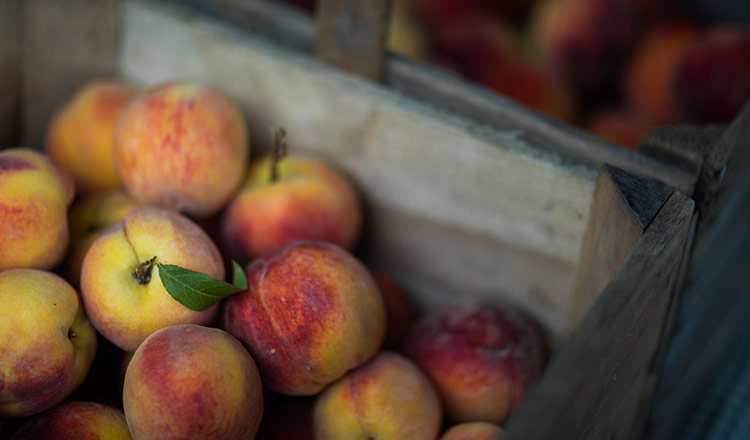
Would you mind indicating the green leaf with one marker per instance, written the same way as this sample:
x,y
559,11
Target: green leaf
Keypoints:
x,y
195,290
239,279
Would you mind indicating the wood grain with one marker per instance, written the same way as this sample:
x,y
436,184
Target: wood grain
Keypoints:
x,y
351,35
65,45
597,384
10,79
622,208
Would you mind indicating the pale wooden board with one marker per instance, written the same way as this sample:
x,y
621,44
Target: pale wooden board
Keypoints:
x,y
598,384
10,49
66,43
415,160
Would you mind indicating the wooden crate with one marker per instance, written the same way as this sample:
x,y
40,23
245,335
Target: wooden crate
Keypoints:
x,y
467,195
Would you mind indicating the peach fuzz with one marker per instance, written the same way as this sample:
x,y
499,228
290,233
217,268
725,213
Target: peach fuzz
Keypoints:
x,y
120,285
81,135
182,146
192,382
308,201
34,198
387,398
473,431
76,421
482,358
311,313
52,346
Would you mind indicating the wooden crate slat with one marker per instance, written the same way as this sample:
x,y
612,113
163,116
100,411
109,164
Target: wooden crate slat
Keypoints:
x,y
10,51
66,44
598,382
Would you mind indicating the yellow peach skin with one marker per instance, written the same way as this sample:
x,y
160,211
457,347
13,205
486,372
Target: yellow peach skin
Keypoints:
x,y
48,343
34,198
81,135
309,201
126,310
182,146
76,421
192,382
387,398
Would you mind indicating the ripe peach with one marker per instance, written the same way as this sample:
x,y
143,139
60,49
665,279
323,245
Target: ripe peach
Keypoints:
x,y
82,133
309,201
311,313
76,421
52,342
712,82
88,218
398,309
192,382
182,146
120,282
34,198
473,431
650,75
482,358
389,398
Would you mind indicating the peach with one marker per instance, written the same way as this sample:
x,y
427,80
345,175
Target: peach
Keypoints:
x,y
76,421
81,135
192,382
473,431
398,309
311,313
387,398
52,342
712,82
624,127
88,218
308,201
483,359
120,282
34,198
182,146
584,41
649,77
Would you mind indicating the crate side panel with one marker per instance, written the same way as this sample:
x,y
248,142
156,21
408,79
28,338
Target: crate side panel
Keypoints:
x,y
10,51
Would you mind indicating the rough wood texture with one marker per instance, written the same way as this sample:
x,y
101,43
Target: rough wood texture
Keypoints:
x,y
65,44
596,385
622,208
351,35
683,145
10,51
529,205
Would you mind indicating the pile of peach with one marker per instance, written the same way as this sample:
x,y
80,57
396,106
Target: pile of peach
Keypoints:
x,y
318,345
614,67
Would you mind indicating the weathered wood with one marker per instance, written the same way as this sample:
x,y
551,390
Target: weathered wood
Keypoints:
x,y
597,383
406,157
10,80
352,34
622,208
683,145
65,44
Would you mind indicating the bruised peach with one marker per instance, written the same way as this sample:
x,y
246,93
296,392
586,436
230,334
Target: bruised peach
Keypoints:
x,y
48,343
34,198
76,421
311,313
120,281
483,359
182,146
473,431
81,135
308,201
192,382
388,398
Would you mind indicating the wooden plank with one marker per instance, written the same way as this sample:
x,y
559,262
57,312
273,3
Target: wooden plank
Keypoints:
x,y
10,84
684,145
622,208
597,383
497,191
352,34
65,45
